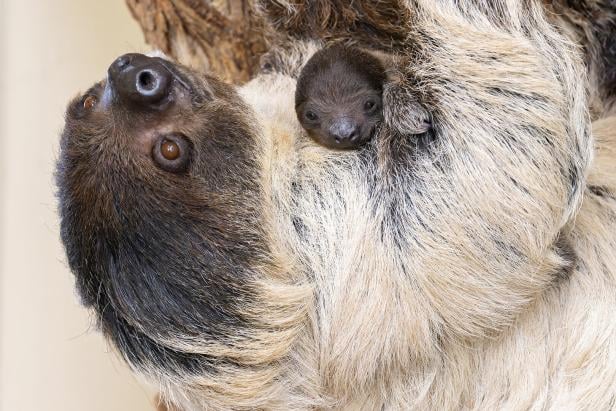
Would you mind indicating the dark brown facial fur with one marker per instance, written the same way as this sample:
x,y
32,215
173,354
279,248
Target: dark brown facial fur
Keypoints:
x,y
338,99
156,190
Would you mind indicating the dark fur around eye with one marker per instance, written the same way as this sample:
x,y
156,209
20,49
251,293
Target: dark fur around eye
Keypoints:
x,y
311,116
180,160
371,105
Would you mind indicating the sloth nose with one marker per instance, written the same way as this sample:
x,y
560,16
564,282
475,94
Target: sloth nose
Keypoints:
x,y
344,130
139,79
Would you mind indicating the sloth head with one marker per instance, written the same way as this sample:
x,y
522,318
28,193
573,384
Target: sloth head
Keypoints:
x,y
338,96
157,200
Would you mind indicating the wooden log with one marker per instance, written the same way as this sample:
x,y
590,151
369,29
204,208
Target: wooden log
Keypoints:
x,y
225,37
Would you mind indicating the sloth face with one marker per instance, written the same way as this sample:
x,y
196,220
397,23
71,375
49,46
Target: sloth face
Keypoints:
x,y
338,97
157,199
342,124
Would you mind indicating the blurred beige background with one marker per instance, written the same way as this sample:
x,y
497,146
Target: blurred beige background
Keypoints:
x,y
51,358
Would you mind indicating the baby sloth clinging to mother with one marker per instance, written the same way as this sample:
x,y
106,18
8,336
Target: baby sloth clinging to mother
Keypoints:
x,y
339,97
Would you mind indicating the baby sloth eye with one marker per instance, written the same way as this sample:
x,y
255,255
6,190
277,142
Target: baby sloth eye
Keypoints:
x,y
370,105
172,153
89,102
311,115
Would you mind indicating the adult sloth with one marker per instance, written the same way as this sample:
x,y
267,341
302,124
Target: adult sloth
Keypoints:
x,y
241,266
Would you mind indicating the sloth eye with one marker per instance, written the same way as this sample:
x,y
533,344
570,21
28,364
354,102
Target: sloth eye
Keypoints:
x,y
370,105
171,153
89,102
311,115
170,150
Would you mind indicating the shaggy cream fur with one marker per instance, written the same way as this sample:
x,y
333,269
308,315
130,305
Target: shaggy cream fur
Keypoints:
x,y
470,268
477,272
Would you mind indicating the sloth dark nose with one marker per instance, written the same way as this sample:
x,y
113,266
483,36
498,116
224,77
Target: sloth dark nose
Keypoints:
x,y
139,79
344,130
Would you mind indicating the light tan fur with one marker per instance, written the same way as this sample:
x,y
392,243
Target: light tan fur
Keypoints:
x,y
479,275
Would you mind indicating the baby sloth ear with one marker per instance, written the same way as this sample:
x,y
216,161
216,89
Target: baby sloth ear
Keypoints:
x,y
402,110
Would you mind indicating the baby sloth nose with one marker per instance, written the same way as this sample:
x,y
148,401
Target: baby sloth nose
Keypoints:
x,y
139,79
344,130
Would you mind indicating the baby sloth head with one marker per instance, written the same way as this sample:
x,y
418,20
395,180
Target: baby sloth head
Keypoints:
x,y
338,96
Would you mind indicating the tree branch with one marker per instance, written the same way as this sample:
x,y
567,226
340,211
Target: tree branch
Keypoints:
x,y
225,37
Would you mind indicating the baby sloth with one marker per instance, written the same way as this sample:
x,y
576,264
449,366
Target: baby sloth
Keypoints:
x,y
339,97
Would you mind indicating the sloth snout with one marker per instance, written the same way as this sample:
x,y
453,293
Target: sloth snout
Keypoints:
x,y
344,130
139,79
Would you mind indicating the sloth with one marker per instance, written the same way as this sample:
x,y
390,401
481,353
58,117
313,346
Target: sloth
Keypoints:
x,y
239,268
338,98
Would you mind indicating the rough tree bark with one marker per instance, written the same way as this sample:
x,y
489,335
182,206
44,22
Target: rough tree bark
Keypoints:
x,y
225,37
